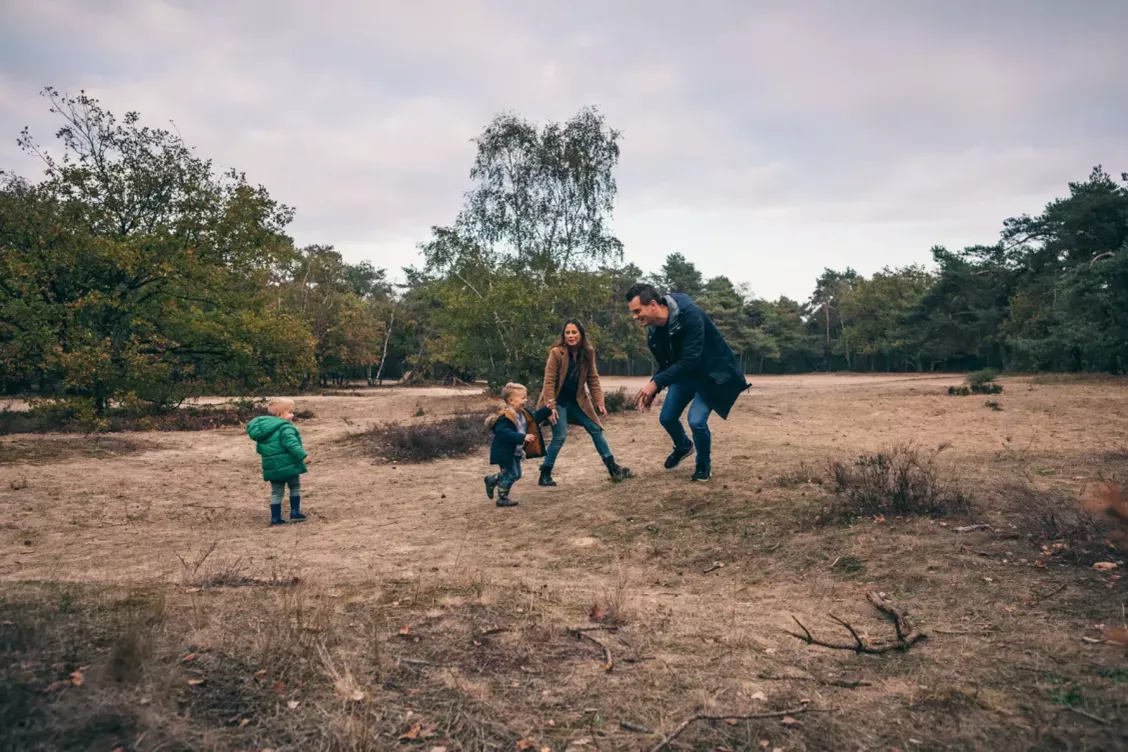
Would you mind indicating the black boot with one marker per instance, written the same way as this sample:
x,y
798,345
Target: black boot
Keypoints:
x,y
678,455
617,473
491,484
546,477
296,509
276,515
503,499
702,473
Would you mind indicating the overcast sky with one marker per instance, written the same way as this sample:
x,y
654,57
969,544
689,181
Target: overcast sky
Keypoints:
x,y
764,140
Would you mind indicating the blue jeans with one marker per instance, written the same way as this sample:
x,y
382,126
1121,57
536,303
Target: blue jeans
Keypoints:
x,y
560,433
510,473
678,397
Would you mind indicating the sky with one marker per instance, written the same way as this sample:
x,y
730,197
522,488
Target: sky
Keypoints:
x,y
762,140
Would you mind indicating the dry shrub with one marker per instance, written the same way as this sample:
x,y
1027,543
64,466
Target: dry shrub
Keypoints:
x,y
900,481
73,416
619,401
1108,502
1055,520
454,436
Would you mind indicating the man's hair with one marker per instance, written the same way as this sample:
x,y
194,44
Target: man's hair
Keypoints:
x,y
510,389
279,405
645,293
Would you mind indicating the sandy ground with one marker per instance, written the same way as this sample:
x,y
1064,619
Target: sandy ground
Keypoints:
x,y
138,516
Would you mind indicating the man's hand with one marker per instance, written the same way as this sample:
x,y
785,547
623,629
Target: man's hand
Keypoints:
x,y
645,396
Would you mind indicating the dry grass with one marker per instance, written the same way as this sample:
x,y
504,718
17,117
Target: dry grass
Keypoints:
x,y
409,613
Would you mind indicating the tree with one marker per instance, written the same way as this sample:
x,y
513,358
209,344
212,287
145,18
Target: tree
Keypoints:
x,y
147,270
680,275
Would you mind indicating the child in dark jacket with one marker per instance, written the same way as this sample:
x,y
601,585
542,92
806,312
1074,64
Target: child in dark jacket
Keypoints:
x,y
284,458
516,435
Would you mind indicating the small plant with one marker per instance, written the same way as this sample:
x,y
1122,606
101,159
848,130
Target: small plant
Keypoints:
x,y
982,378
990,388
993,405
419,412
455,436
959,391
618,401
899,481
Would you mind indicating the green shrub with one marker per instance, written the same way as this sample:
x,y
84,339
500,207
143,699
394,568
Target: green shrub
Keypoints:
x,y
619,401
979,378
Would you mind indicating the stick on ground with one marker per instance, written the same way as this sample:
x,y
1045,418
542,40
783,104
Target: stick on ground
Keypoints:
x,y
608,664
701,717
906,637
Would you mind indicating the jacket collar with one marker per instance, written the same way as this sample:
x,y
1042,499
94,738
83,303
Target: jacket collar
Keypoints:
x,y
673,323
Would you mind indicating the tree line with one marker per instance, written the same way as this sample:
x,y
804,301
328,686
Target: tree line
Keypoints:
x,y
135,272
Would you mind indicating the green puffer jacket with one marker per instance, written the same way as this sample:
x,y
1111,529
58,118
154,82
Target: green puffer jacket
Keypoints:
x,y
280,445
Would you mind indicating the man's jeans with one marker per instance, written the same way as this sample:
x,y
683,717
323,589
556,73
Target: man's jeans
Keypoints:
x,y
678,397
560,434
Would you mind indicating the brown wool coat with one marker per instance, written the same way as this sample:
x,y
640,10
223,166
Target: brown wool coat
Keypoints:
x,y
589,396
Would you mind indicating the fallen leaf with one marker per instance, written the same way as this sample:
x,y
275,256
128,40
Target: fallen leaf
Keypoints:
x,y
789,721
878,518
192,590
279,687
764,744
244,723
437,749
405,630
260,673
597,613
1116,636
1091,640
413,733
1105,566
731,721
77,678
293,704
525,744
760,696
196,682
477,644
188,658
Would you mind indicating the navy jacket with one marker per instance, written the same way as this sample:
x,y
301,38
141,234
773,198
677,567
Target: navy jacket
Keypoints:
x,y
690,349
506,437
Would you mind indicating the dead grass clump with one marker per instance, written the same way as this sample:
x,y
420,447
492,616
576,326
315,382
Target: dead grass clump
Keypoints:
x,y
901,481
619,401
799,476
47,451
1062,525
454,436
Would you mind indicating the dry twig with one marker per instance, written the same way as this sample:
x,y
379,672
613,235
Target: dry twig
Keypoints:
x,y
702,717
906,637
608,664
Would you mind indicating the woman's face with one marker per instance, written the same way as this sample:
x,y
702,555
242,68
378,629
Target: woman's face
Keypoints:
x,y
571,335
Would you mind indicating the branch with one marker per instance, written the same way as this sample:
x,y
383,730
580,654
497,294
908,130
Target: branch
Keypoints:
x,y
1100,256
906,637
608,664
701,717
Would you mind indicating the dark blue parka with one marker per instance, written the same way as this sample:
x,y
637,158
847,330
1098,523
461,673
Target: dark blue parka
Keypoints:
x,y
690,349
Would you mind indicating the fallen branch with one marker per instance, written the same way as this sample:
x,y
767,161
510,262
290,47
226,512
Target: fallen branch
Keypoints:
x,y
634,727
843,683
906,637
1083,714
970,528
701,717
608,664
1050,594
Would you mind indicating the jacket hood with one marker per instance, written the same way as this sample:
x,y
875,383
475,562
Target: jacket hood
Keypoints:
x,y
262,427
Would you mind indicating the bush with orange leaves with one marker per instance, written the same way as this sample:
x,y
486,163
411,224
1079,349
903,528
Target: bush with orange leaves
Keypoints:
x,y
1109,501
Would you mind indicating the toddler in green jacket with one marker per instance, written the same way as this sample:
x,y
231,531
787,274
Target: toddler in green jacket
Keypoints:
x,y
284,459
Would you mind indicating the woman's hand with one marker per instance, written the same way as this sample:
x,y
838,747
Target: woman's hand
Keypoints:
x,y
554,417
602,410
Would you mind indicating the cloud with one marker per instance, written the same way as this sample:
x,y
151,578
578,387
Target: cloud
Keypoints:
x,y
766,140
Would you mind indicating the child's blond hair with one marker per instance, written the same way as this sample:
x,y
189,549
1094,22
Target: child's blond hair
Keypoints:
x,y
279,405
510,389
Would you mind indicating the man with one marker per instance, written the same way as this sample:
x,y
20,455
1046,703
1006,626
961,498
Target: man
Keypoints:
x,y
694,363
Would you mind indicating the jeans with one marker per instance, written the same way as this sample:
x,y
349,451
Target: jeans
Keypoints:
x,y
560,433
278,488
509,474
678,397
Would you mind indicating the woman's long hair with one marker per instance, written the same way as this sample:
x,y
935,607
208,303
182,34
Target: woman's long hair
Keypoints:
x,y
585,353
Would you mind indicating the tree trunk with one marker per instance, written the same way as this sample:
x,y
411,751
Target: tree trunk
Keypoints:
x,y
384,357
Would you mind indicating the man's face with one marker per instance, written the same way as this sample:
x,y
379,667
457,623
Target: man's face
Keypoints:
x,y
644,315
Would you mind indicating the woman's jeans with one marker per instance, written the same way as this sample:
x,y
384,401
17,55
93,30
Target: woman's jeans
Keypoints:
x,y
560,433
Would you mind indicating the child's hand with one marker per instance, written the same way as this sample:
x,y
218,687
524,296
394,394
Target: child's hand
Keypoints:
x,y
530,438
306,460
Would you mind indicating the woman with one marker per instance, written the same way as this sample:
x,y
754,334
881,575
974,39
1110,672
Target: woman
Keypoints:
x,y
571,389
